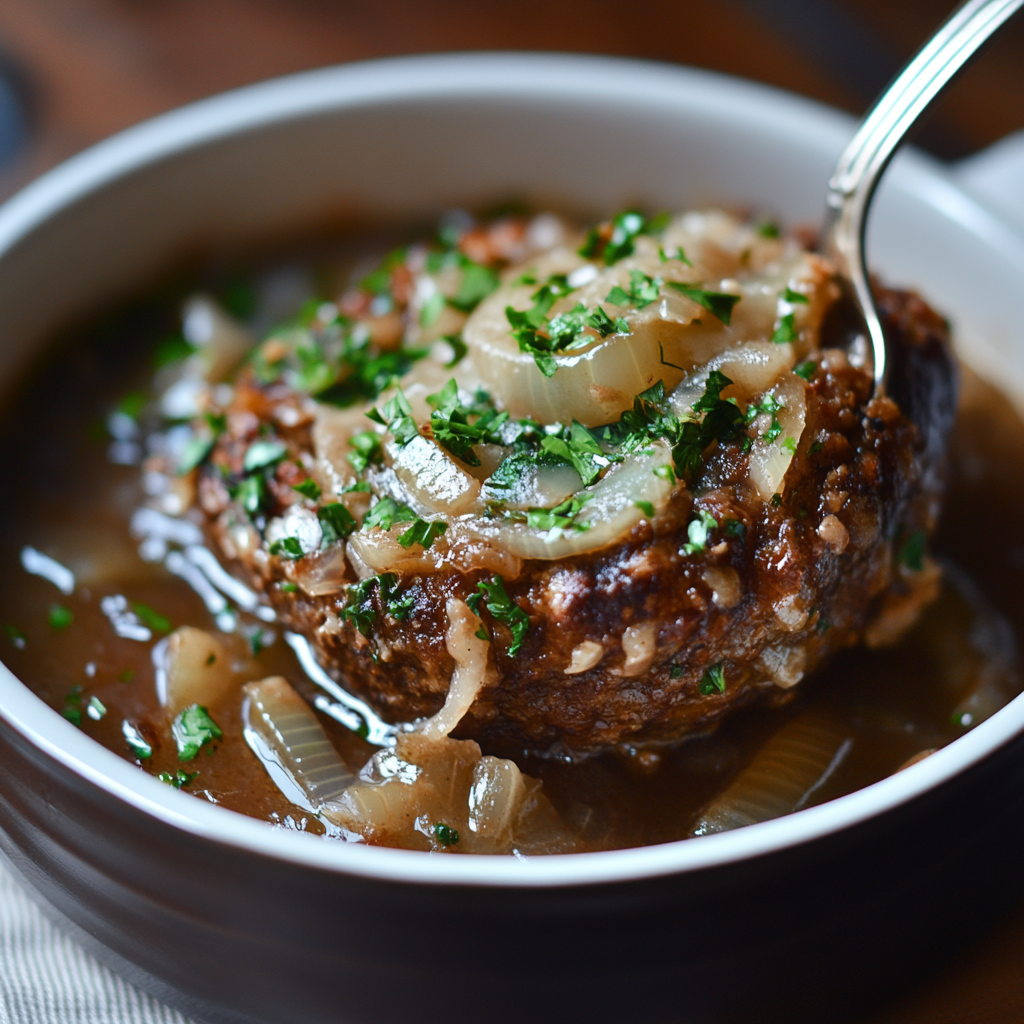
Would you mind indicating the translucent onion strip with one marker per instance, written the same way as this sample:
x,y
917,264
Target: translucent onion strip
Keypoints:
x,y
282,731
796,762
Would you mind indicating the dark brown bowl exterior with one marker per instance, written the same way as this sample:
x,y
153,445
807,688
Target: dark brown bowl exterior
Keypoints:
x,y
815,932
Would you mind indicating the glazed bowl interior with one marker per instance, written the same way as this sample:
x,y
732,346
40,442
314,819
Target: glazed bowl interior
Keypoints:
x,y
408,139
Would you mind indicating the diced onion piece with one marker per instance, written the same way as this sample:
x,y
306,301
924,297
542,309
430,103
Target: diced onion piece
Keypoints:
x,y
295,740
221,340
639,644
432,478
193,667
496,798
470,653
783,777
769,462
584,657
323,572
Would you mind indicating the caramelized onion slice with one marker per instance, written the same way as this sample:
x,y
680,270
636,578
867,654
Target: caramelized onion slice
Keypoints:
x,y
783,776
769,460
283,732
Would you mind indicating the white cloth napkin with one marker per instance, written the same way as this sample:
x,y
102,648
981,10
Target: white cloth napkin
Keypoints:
x,y
45,978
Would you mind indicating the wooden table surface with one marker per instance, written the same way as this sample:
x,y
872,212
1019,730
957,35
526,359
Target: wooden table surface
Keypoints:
x,y
90,67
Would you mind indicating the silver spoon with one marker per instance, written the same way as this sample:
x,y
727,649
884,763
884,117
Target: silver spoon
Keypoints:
x,y
865,159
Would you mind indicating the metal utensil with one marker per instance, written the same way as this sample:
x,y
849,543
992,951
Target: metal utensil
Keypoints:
x,y
853,184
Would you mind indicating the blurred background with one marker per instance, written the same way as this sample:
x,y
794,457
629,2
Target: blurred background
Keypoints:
x,y
74,71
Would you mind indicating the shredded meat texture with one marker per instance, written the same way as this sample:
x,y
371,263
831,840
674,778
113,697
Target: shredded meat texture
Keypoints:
x,y
633,643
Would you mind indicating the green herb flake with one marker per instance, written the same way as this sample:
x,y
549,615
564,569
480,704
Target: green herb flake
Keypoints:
x,y
137,743
432,309
251,494
336,523
394,602
786,331
699,532
735,528
459,349
423,533
679,254
666,473
386,513
794,298
719,304
192,729
768,229
126,676
179,779
287,547
776,500
95,709
60,617
713,680
288,588
131,405
789,445
15,635
172,349
72,714
368,450
477,283
806,369
646,507
675,671
150,617
503,609
263,454
816,447
309,488
642,291
911,554
359,610
196,451
445,834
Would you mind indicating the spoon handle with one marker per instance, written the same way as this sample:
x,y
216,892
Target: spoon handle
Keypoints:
x,y
861,165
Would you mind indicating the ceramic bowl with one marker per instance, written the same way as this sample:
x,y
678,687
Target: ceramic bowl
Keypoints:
x,y
233,921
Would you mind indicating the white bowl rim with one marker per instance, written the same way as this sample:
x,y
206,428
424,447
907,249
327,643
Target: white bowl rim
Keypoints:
x,y
522,75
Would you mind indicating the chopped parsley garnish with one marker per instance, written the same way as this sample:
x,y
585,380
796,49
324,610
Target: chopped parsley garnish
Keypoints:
x,y
359,609
477,283
561,517
713,680
580,449
675,671
719,304
789,445
459,349
192,729
643,290
445,834
397,417
288,588
450,422
178,779
646,507
911,554
816,447
173,349
251,494
806,369
786,331
137,743
336,523
60,617
95,709
368,449
386,513
262,454
150,617
309,488
679,254
423,533
15,635
768,229
770,406
196,451
72,709
432,309
735,528
776,501
795,297
618,243
126,676
666,473
131,405
287,547
699,532
502,608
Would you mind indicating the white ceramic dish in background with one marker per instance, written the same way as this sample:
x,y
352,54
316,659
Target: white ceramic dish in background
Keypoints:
x,y
234,921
